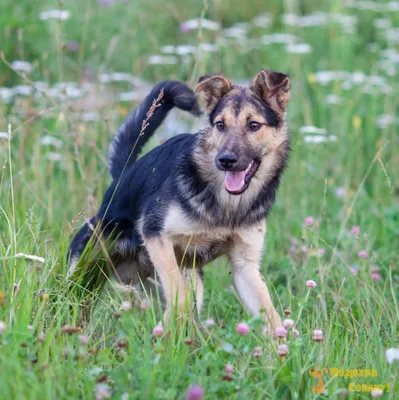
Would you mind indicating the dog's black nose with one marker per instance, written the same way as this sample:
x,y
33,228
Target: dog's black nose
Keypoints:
x,y
227,160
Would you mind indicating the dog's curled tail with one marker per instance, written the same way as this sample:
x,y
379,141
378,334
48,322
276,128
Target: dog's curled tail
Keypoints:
x,y
140,125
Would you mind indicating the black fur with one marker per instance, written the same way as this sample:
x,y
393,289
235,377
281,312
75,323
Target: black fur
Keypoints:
x,y
127,144
167,174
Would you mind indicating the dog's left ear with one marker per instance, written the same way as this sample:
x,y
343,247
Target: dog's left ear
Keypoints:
x,y
274,88
214,87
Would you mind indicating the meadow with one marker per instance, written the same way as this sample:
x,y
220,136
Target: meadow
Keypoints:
x,y
71,71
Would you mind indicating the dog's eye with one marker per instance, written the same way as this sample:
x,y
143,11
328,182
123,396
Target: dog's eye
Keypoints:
x,y
220,126
254,126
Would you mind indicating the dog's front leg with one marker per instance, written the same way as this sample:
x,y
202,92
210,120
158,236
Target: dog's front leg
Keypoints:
x,y
163,258
245,256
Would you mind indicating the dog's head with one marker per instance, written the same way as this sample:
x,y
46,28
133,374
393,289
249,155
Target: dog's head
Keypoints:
x,y
247,124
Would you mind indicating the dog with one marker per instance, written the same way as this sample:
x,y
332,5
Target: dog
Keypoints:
x,y
197,196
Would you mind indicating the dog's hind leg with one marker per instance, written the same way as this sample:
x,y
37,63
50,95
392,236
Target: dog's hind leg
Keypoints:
x,y
79,244
245,257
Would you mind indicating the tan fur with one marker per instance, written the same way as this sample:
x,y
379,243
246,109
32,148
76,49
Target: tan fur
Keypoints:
x,y
268,140
185,240
244,249
273,87
245,256
214,87
162,256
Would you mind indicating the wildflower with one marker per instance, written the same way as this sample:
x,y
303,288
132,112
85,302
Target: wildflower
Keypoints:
x,y
102,391
69,330
242,329
340,192
376,276
313,130
295,333
126,305
281,332
208,47
122,344
375,393
353,270
355,230
144,305
257,351
22,66
319,139
30,327
385,120
90,116
61,15
282,350
391,355
73,45
188,341
321,252
160,60
42,337
51,156
228,368
83,339
263,20
2,327
333,99
237,31
209,322
49,140
317,335
363,254
311,284
279,38
158,331
288,323
298,48
192,24
195,392
309,221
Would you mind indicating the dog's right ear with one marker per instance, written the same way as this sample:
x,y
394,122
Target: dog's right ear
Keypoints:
x,y
214,87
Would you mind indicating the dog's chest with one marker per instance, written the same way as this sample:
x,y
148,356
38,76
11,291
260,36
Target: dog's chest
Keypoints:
x,y
199,249
194,239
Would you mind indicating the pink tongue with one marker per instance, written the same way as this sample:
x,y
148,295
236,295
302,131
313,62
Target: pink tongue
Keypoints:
x,y
234,181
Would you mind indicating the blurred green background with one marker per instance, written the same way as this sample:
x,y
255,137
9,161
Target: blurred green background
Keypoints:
x,y
71,71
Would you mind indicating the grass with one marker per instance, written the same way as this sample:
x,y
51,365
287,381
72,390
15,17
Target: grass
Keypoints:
x,y
352,181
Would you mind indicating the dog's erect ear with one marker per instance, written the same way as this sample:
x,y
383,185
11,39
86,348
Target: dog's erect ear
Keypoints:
x,y
214,87
274,88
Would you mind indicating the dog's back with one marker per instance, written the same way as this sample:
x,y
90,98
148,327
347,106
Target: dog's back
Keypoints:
x,y
132,184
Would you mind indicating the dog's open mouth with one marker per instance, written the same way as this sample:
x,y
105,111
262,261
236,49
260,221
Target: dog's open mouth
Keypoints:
x,y
236,182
